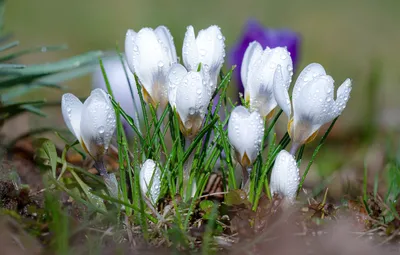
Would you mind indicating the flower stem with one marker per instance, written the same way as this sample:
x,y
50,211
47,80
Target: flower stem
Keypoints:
x,y
109,179
188,163
295,147
246,179
187,166
99,165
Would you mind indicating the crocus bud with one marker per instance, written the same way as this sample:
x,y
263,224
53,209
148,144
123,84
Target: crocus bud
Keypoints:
x,y
257,73
150,180
150,53
127,96
285,176
245,132
208,48
93,123
188,94
313,102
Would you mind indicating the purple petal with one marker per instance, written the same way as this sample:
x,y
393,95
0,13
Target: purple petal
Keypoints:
x,y
254,31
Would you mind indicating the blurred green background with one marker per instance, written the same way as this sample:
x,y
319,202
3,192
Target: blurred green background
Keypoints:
x,y
347,37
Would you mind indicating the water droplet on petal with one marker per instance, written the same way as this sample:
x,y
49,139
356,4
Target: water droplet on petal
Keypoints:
x,y
203,52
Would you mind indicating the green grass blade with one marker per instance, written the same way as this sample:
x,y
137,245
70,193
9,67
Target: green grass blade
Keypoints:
x,y
32,50
321,142
9,46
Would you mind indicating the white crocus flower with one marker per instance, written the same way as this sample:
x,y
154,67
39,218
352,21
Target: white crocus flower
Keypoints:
x,y
150,180
93,122
245,132
208,48
257,74
285,176
313,102
188,94
124,89
150,53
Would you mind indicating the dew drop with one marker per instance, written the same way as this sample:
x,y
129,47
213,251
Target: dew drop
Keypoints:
x,y
203,52
191,110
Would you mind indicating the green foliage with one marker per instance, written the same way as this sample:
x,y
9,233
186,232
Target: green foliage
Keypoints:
x,y
17,80
46,153
59,224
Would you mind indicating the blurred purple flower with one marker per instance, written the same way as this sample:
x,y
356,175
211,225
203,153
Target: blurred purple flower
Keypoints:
x,y
254,31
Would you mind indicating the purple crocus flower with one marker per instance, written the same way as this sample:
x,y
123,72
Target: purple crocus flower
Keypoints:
x,y
254,31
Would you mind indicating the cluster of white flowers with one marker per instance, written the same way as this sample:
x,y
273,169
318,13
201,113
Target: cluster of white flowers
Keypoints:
x,y
188,88
266,75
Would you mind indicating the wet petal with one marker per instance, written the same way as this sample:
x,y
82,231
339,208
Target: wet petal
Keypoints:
x,y
245,132
253,52
343,96
151,64
281,92
167,40
190,54
285,177
130,48
211,48
150,180
208,48
98,123
71,108
192,99
260,87
309,73
175,76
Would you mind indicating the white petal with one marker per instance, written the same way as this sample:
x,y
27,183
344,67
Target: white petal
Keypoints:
x,y
71,108
122,89
313,107
98,123
211,49
309,73
253,52
150,180
175,76
190,52
260,87
285,176
151,64
192,99
343,96
281,56
245,132
281,92
130,48
168,42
